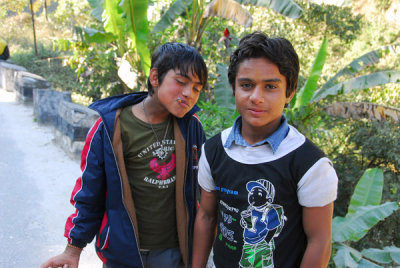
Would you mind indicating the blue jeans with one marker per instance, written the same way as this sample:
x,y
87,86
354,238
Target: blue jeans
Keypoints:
x,y
166,258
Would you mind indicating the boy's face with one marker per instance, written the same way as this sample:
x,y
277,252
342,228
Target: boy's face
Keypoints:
x,y
260,95
178,93
257,197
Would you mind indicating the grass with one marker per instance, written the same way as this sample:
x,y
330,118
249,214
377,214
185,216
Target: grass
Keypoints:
x,y
48,63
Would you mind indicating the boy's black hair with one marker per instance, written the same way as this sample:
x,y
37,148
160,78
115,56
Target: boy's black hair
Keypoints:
x,y
278,50
177,56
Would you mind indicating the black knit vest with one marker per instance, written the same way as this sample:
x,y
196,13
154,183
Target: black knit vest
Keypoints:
x,y
276,216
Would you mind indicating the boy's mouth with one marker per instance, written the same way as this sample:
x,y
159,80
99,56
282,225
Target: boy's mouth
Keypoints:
x,y
182,102
256,111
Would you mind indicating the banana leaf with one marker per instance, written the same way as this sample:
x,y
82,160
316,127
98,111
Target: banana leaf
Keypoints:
x,y
361,63
368,190
368,264
378,255
367,110
112,18
135,12
223,91
339,3
230,10
286,8
234,11
305,94
354,226
97,9
346,257
174,11
89,35
394,253
362,82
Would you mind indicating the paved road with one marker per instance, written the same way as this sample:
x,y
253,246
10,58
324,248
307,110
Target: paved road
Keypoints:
x,y
36,179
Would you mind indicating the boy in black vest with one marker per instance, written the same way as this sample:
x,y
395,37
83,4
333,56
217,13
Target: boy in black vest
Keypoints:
x,y
267,188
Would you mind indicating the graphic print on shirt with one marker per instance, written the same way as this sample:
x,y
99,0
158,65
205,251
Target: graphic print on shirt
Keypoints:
x,y
262,221
163,167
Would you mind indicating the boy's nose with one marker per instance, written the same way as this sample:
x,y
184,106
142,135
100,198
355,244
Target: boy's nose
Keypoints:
x,y
257,96
187,90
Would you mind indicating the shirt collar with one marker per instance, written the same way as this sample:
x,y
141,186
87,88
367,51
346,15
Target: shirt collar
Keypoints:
x,y
274,140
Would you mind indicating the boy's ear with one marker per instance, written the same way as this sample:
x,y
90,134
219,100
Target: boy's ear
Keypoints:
x,y
153,77
288,99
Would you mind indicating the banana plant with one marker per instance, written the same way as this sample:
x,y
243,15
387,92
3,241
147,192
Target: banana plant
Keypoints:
x,y
125,27
309,93
201,14
223,94
364,212
127,21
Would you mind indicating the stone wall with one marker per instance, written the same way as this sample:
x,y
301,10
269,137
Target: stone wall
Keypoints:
x,y
70,121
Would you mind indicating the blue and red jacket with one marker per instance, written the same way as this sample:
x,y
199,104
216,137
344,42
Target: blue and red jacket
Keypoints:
x,y
102,195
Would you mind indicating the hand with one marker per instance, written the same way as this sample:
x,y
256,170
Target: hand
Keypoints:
x,y
243,223
68,259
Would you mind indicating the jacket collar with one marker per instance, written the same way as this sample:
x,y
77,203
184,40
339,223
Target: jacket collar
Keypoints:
x,y
107,108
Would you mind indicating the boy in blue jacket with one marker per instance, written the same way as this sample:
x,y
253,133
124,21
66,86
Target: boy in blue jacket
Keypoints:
x,y
267,189
137,192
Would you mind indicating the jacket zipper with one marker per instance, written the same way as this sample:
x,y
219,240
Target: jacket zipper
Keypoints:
x,y
184,192
123,202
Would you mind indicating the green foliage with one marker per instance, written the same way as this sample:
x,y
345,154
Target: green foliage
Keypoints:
x,y
287,8
349,144
48,64
383,4
223,91
127,21
96,69
361,63
338,21
70,13
363,214
305,94
213,118
298,116
368,190
383,256
15,6
378,144
354,226
176,9
135,14
197,14
361,82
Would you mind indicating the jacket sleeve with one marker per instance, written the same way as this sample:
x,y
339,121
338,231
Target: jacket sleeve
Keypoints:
x,y
88,195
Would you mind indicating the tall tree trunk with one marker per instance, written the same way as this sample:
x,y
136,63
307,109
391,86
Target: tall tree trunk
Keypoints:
x,y
33,27
45,10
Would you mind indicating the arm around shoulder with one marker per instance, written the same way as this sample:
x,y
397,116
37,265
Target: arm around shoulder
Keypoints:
x,y
204,229
317,224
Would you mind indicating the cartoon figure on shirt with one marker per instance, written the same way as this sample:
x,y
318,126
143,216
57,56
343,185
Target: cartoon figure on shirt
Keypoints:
x,y
262,221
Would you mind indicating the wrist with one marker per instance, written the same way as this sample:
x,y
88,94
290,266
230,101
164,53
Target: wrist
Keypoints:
x,y
73,250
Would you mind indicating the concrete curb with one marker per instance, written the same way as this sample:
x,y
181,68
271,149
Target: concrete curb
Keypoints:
x,y
70,121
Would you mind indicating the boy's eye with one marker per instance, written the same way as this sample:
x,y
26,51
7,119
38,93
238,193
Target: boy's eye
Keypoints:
x,y
180,81
197,89
269,86
246,85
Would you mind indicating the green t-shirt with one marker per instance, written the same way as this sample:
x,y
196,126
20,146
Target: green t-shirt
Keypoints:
x,y
151,172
